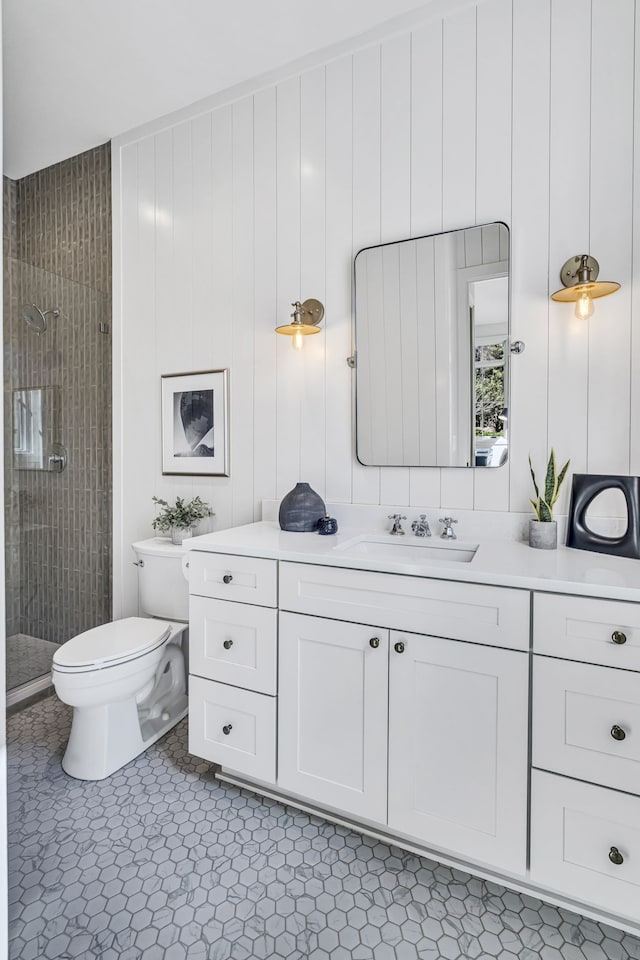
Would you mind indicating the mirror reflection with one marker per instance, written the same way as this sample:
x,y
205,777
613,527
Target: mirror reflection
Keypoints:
x,y
35,428
432,349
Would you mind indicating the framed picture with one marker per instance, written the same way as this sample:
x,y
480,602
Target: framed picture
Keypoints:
x,y
195,423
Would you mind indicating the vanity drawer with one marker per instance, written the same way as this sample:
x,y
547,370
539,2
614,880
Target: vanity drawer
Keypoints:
x,y
576,829
586,722
249,719
233,643
496,616
227,577
583,628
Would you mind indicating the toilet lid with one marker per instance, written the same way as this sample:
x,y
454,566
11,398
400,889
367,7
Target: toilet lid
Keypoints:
x,y
112,643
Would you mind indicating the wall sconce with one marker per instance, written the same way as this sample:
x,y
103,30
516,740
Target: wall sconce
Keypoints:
x,y
579,276
306,317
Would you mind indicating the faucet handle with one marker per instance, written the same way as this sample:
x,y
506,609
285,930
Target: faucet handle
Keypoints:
x,y
396,529
447,533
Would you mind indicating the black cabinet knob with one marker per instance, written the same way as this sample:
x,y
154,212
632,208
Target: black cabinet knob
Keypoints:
x,y
227,644
619,637
615,856
617,732
227,729
374,642
228,577
399,647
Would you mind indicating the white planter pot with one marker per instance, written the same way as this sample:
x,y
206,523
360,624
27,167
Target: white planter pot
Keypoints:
x,y
543,535
178,534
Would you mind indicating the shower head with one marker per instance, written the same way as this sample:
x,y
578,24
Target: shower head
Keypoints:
x,y
35,318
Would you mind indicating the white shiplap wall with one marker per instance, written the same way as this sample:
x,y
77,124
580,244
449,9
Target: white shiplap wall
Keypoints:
x,y
496,110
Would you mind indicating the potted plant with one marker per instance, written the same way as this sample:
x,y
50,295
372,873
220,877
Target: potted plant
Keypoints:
x,y
178,520
543,532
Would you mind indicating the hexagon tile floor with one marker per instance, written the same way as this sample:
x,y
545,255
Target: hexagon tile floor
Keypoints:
x,y
161,862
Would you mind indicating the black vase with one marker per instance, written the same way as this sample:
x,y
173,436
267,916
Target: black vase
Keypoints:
x,y
301,509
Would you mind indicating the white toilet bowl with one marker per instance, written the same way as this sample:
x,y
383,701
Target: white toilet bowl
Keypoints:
x,y
126,682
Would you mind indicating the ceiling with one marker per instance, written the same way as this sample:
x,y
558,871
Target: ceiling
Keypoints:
x,y
79,72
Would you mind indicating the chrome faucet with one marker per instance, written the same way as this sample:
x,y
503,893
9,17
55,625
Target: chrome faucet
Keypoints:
x,y
447,533
396,529
421,527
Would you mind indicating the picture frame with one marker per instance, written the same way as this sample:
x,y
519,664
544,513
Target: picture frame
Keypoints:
x,y
195,423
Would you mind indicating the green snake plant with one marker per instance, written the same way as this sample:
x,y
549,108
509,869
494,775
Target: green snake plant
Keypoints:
x,y
543,505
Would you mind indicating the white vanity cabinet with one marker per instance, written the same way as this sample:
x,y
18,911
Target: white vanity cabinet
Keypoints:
x,y
401,704
585,791
446,716
458,733
332,729
232,665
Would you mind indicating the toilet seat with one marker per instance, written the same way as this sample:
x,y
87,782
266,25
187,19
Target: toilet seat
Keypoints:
x,y
111,644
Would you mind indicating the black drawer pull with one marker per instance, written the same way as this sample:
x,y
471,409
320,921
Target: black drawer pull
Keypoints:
x,y
617,732
228,577
399,647
227,729
615,856
227,644
374,642
619,637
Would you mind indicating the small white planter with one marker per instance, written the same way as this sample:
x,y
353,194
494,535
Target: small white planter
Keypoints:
x,y
178,534
543,534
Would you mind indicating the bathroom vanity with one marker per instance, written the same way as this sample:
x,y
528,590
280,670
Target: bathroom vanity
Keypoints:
x,y
476,702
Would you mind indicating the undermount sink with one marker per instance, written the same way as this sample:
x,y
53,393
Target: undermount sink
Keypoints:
x,y
403,550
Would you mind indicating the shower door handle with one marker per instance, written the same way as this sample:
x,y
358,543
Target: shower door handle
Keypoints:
x,y
57,459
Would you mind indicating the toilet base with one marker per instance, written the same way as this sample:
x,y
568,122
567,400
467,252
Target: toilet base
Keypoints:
x,y
103,739
106,737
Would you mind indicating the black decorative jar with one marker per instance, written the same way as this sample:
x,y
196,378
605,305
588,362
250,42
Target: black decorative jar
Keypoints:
x,y
327,526
301,509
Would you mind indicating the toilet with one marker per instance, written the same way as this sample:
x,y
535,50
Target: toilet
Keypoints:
x,y
126,680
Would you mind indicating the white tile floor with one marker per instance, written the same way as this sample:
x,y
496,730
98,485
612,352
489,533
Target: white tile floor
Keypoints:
x,y
27,658
162,862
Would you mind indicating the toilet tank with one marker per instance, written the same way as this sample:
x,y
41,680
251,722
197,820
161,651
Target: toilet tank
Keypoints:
x,y
162,588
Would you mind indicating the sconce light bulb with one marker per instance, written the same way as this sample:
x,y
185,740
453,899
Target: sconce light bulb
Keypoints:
x,y
584,306
297,340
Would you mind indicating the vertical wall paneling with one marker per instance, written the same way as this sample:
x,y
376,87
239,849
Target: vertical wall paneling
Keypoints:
x,y
265,302
290,367
140,386
173,354
125,291
338,249
201,308
459,175
395,205
242,355
312,358
634,357
493,174
202,219
221,311
366,203
530,243
569,228
611,235
499,109
426,192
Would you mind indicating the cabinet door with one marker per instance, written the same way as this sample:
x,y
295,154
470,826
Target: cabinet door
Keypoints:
x,y
458,748
332,714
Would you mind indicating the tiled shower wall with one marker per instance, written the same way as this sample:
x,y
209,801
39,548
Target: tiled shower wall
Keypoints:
x,y
57,254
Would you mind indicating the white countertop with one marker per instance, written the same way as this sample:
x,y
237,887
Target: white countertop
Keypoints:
x,y
507,563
